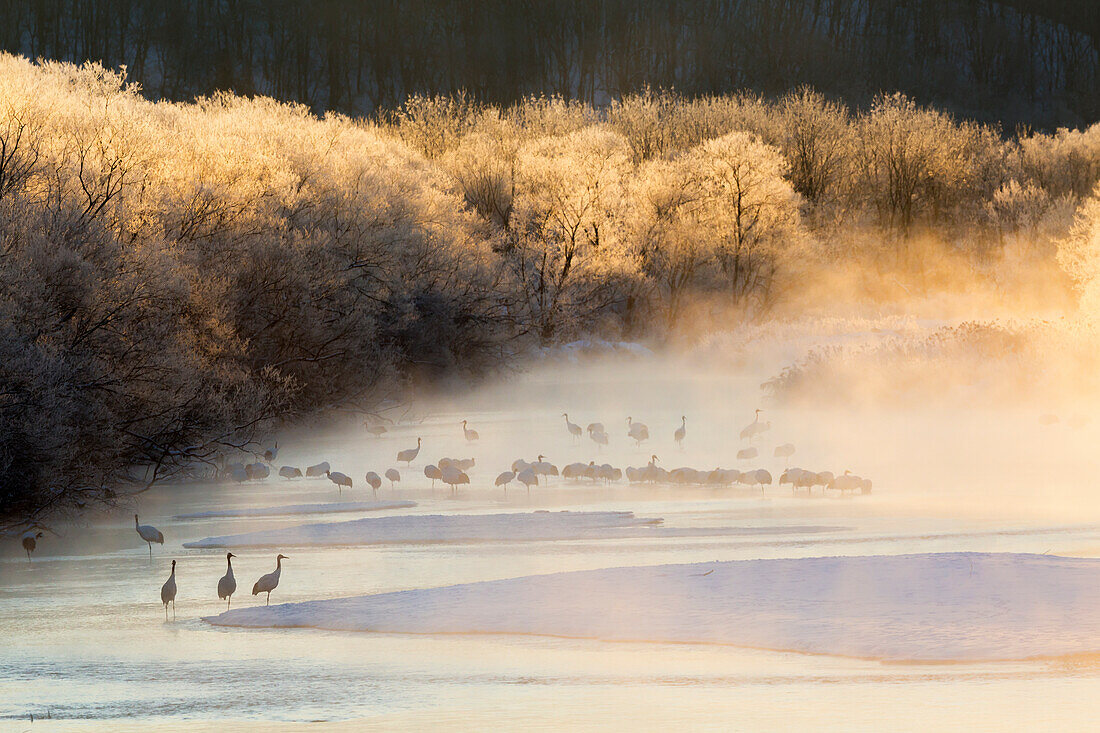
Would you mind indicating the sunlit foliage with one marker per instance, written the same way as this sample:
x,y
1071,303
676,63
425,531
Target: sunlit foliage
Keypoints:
x,y
176,276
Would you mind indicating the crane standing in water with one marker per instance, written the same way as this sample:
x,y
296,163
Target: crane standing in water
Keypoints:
x,y
573,428
340,479
168,593
637,431
409,454
755,428
681,432
149,534
30,541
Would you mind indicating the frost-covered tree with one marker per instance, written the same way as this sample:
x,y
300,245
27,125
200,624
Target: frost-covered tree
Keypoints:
x,y
1079,254
915,164
565,244
815,137
749,209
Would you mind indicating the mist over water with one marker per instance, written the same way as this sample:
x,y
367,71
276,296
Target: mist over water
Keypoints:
x,y
84,635
880,319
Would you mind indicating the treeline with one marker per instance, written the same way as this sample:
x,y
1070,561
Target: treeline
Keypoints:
x,y
174,276
1012,61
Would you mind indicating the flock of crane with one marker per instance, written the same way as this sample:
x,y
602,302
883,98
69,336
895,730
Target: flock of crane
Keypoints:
x,y
453,472
227,584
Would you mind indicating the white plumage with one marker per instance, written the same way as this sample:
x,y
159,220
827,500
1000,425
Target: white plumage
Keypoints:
x,y
340,479
227,586
528,478
257,471
30,541
470,434
321,469
453,476
755,427
168,592
681,432
270,582
573,428
544,468
409,454
149,534
784,451
599,437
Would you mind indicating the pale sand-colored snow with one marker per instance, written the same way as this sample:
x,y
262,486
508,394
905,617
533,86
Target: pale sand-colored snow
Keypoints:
x,y
930,607
278,511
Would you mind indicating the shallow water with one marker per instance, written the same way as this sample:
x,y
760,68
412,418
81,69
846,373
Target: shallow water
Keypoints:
x,y
83,637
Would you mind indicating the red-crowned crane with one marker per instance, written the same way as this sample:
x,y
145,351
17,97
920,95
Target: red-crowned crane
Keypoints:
x,y
168,592
340,479
409,454
637,431
30,541
471,434
227,586
149,534
270,582
573,428
681,432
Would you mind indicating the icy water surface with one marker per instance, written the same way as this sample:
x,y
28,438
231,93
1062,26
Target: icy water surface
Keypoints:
x,y
83,637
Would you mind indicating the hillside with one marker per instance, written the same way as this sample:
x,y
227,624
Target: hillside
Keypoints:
x,y
1007,61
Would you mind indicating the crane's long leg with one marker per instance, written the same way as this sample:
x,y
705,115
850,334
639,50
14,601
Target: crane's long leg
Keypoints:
x,y
150,550
268,599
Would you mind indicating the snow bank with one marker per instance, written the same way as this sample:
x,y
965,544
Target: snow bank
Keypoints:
x,y
929,607
276,511
436,528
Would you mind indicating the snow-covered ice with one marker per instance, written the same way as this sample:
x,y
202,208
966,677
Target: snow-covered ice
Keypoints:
x,y
926,607
526,526
540,525
278,511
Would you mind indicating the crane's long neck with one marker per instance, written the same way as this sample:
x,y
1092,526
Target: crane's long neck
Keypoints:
x,y
229,565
